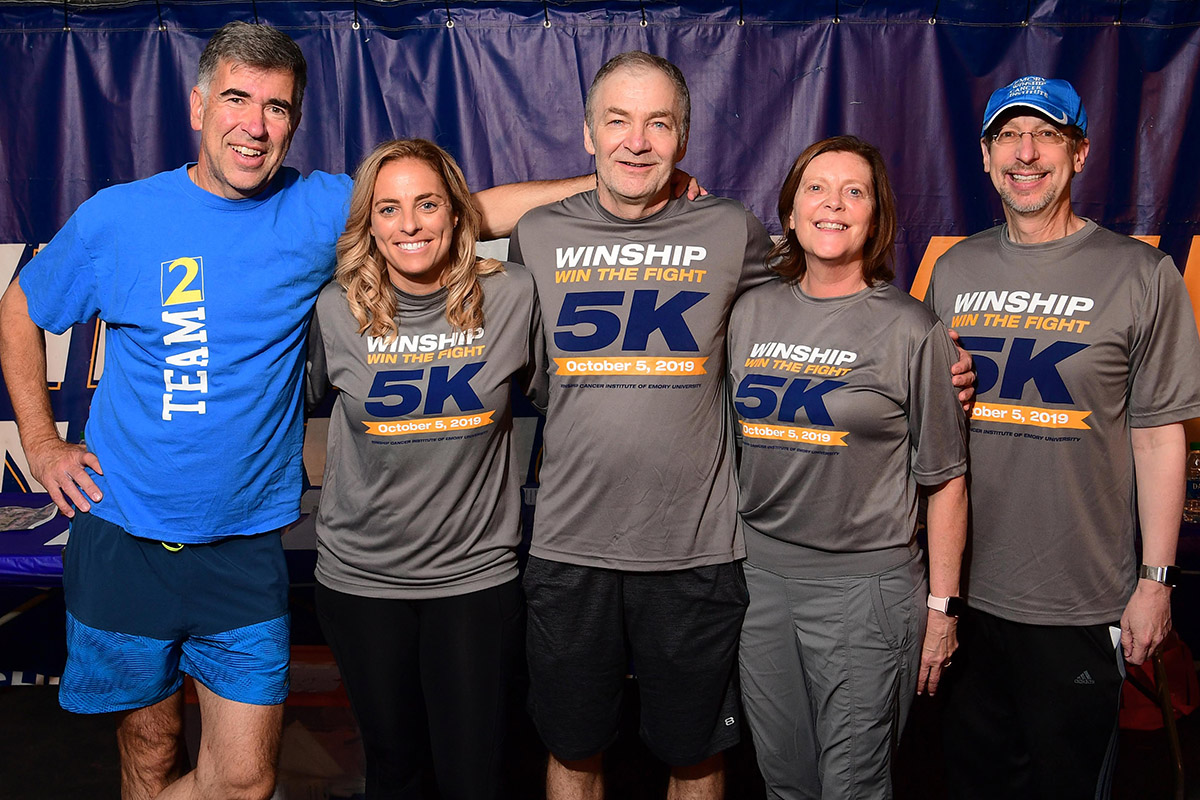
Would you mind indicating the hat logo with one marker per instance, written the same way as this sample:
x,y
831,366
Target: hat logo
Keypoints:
x,y
1060,120
1054,99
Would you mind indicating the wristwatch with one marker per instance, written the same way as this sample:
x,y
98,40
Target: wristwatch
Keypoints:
x,y
1168,576
950,606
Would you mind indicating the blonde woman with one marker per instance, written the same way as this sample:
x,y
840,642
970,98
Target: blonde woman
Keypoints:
x,y
419,520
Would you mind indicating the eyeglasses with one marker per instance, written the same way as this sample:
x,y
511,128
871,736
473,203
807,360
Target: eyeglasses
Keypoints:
x,y
1047,136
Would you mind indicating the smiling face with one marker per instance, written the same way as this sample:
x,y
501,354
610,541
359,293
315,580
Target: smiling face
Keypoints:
x,y
635,135
1033,178
246,123
412,223
833,212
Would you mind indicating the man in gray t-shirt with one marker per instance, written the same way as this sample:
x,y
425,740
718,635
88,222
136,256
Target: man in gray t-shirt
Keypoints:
x,y
1088,362
636,536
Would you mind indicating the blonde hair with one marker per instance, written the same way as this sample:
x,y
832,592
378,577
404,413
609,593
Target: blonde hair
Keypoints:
x,y
362,271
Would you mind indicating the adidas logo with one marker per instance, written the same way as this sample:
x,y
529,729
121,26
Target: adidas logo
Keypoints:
x,y
1084,678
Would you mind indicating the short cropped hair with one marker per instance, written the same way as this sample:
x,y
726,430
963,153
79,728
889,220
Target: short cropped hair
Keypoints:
x,y
787,257
259,46
637,59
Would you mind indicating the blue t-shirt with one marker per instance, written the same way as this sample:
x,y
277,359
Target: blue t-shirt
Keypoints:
x,y
197,421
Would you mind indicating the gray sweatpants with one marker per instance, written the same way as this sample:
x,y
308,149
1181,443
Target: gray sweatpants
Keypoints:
x,y
829,670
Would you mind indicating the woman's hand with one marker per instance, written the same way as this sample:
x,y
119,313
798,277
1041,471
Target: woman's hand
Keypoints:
x,y
941,640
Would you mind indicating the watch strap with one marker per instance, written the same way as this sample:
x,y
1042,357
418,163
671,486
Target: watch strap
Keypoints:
x,y
1168,576
950,606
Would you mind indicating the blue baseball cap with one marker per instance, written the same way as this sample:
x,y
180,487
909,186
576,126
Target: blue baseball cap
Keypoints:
x,y
1053,98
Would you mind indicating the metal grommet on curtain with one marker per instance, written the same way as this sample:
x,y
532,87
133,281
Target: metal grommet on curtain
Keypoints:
x,y
741,14
933,16
449,19
644,22
355,25
162,26
545,14
66,19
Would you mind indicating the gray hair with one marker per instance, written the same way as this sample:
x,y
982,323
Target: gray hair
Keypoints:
x,y
637,59
259,46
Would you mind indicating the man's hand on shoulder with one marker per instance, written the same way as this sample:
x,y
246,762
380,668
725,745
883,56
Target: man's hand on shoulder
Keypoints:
x,y
1146,621
962,375
682,183
60,467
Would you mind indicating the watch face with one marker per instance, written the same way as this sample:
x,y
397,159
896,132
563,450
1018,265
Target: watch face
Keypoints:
x,y
955,606
1168,576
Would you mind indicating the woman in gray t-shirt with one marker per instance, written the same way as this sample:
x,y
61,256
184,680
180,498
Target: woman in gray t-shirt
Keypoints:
x,y
844,416
417,590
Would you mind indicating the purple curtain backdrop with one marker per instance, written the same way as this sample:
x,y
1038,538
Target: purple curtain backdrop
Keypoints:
x,y
94,94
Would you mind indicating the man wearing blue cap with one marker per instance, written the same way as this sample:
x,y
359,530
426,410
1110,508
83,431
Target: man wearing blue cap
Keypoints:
x,y
1088,362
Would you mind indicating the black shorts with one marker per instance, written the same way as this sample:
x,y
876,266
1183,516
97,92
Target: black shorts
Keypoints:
x,y
678,631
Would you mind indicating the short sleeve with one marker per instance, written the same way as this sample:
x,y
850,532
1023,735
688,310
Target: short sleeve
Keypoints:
x,y
535,381
316,373
514,245
936,423
60,282
931,290
755,271
1164,363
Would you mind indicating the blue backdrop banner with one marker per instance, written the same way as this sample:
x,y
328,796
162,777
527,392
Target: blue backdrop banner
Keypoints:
x,y
94,94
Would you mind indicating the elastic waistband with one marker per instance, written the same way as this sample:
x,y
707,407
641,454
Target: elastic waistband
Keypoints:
x,y
797,561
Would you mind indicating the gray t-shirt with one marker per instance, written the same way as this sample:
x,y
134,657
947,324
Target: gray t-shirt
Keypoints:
x,y
1075,342
420,497
638,466
843,405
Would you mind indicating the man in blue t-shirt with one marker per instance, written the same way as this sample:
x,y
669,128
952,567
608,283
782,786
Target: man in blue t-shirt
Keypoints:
x,y
205,276
196,423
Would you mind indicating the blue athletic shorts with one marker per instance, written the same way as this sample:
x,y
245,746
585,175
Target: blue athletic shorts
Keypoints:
x,y
141,613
